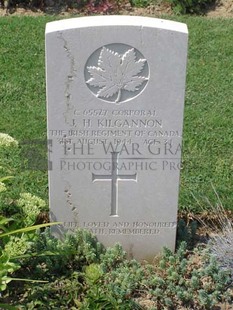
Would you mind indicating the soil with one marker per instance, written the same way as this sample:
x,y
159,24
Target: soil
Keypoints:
x,y
222,8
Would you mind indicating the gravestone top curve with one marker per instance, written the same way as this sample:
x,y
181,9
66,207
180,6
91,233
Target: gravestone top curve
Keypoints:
x,y
115,20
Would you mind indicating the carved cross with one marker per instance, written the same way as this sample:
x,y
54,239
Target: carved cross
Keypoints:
x,y
114,177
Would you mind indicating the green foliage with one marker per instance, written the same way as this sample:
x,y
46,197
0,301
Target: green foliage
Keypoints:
x,y
7,267
92,6
30,206
190,6
6,141
84,275
62,293
186,232
182,279
11,250
17,246
2,187
124,280
113,282
73,253
8,307
8,148
12,247
76,273
140,3
112,257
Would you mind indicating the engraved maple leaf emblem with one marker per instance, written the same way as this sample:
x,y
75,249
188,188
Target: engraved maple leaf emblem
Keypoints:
x,y
116,72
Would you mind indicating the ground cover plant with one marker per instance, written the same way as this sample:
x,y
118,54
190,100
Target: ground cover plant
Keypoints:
x,y
79,272
82,274
16,227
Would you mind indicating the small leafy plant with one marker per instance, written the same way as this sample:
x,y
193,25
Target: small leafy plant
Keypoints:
x,y
82,274
186,232
190,6
15,243
187,279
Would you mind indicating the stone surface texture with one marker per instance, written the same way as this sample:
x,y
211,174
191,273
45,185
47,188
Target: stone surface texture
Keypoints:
x,y
115,97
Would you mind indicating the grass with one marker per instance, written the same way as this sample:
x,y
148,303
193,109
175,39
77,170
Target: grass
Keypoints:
x,y
208,122
208,136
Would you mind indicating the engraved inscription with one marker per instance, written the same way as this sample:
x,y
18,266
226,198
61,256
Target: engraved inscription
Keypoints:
x,y
129,228
114,177
117,74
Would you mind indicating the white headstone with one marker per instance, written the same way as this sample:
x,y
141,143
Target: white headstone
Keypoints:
x,y
115,94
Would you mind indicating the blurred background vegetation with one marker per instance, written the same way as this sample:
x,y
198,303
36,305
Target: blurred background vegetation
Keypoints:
x,y
110,6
